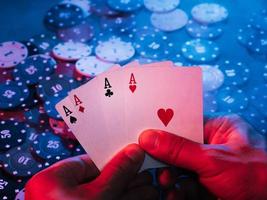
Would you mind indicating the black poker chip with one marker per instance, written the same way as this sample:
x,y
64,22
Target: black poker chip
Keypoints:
x,y
63,16
42,43
13,94
34,68
13,133
48,146
19,162
9,186
55,86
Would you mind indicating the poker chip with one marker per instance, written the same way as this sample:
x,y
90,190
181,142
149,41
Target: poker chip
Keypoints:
x,y
91,66
255,119
66,68
213,77
101,8
79,150
258,97
12,53
170,21
198,30
34,68
80,33
13,94
209,13
235,73
200,50
209,103
9,187
20,195
115,50
55,86
125,6
245,34
50,109
259,20
19,162
12,133
5,74
61,129
71,51
150,45
258,44
85,5
231,99
48,145
43,43
35,116
122,23
64,16
161,6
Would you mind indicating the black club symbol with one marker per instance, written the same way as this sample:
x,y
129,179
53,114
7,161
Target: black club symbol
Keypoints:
x,y
109,93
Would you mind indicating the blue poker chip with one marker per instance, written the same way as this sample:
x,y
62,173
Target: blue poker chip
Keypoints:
x,y
150,45
258,97
19,162
245,34
121,24
34,68
209,103
13,94
259,20
63,16
200,50
13,134
198,30
50,108
125,6
231,99
235,73
55,86
35,116
43,43
9,186
258,44
257,120
101,8
48,145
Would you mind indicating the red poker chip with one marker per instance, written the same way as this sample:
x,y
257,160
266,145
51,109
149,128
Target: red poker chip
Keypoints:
x,y
65,68
60,128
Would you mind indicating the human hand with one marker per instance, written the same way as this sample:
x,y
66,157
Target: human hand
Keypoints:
x,y
78,178
232,165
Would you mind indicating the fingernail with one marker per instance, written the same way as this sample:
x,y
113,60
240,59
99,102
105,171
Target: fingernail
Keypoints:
x,y
135,153
148,139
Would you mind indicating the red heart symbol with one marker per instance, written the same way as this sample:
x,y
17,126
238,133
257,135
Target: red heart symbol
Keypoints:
x,y
165,115
132,88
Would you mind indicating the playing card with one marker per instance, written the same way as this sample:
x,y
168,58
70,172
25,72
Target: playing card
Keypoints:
x,y
168,99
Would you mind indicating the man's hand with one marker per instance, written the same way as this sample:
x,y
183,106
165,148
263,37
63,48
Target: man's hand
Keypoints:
x,y
233,165
78,179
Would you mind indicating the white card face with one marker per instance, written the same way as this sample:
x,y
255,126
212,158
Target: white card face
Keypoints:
x,y
168,99
115,107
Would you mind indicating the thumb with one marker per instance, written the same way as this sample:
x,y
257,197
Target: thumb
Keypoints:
x,y
174,149
120,171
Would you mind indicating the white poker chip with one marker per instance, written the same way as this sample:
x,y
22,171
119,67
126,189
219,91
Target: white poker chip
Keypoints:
x,y
20,195
115,50
91,66
169,21
160,5
12,53
85,5
71,51
212,77
209,13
